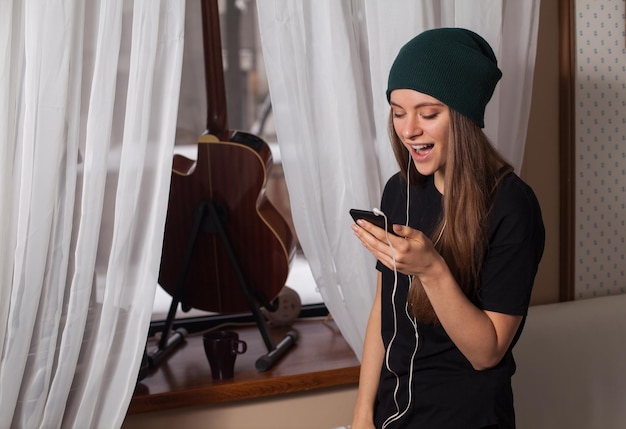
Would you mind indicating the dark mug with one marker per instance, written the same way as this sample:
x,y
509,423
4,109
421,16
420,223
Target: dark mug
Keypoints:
x,y
221,349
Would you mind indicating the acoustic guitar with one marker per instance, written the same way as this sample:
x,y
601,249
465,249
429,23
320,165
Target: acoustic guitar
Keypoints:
x,y
229,175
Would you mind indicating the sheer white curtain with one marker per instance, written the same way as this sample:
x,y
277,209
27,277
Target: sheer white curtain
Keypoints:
x,y
88,105
327,63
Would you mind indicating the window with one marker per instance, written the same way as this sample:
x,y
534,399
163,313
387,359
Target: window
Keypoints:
x,y
248,109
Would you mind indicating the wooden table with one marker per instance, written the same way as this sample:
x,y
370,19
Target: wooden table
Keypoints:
x,y
320,359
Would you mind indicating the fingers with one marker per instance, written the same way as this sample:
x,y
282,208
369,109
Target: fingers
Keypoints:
x,y
408,251
369,234
384,246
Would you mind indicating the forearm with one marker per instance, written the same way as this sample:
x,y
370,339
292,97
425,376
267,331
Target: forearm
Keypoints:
x,y
371,363
483,337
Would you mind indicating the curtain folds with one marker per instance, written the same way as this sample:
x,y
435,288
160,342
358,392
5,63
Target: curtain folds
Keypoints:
x,y
327,63
88,108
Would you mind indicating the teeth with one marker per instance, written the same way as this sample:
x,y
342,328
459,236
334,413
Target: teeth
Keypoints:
x,y
419,147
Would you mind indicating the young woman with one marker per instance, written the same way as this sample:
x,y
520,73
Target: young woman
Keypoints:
x,y
454,282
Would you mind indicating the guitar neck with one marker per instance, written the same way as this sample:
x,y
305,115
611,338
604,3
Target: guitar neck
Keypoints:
x,y
214,70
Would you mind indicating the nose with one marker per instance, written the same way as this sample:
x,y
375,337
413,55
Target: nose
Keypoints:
x,y
411,130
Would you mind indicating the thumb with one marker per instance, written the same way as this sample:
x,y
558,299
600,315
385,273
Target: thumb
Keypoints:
x,y
402,231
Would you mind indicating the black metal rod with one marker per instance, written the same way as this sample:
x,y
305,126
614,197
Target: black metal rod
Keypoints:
x,y
182,276
254,307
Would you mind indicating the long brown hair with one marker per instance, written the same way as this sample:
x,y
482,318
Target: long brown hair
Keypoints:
x,y
473,171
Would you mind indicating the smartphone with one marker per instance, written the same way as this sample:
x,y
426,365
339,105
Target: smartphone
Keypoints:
x,y
369,216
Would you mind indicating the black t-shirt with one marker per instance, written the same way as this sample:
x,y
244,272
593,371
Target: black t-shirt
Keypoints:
x,y
434,386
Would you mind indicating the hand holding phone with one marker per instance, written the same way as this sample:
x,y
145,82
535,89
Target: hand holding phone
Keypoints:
x,y
370,216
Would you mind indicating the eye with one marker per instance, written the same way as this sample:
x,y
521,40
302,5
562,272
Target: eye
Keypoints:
x,y
397,115
429,116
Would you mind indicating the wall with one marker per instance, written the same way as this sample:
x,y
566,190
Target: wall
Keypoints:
x,y
540,168
600,148
328,409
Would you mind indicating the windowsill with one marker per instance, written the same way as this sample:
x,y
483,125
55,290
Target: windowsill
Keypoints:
x,y
320,359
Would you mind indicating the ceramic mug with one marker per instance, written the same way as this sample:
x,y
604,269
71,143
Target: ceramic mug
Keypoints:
x,y
221,349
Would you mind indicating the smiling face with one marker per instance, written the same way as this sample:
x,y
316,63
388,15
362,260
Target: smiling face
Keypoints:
x,y
423,125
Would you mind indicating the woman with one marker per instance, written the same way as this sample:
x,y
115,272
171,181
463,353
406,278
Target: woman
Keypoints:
x,y
455,280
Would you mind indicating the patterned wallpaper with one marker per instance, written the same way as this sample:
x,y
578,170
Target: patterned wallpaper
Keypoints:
x,y
600,148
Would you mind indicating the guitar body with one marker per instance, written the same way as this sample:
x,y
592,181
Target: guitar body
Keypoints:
x,y
230,173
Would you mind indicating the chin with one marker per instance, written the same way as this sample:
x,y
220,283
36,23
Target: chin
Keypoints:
x,y
425,170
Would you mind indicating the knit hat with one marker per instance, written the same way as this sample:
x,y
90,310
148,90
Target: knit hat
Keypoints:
x,y
454,65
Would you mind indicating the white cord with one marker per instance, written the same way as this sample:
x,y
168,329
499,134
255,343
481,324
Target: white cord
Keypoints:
x,y
408,173
397,415
395,318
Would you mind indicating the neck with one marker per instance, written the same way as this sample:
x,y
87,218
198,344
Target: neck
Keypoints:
x,y
439,182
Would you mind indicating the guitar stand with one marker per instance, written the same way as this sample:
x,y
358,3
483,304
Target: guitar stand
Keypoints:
x,y
210,216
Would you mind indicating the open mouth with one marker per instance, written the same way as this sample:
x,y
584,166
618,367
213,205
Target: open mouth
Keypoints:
x,y
420,148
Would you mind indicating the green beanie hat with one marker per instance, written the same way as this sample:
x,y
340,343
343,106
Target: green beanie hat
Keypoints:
x,y
454,65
